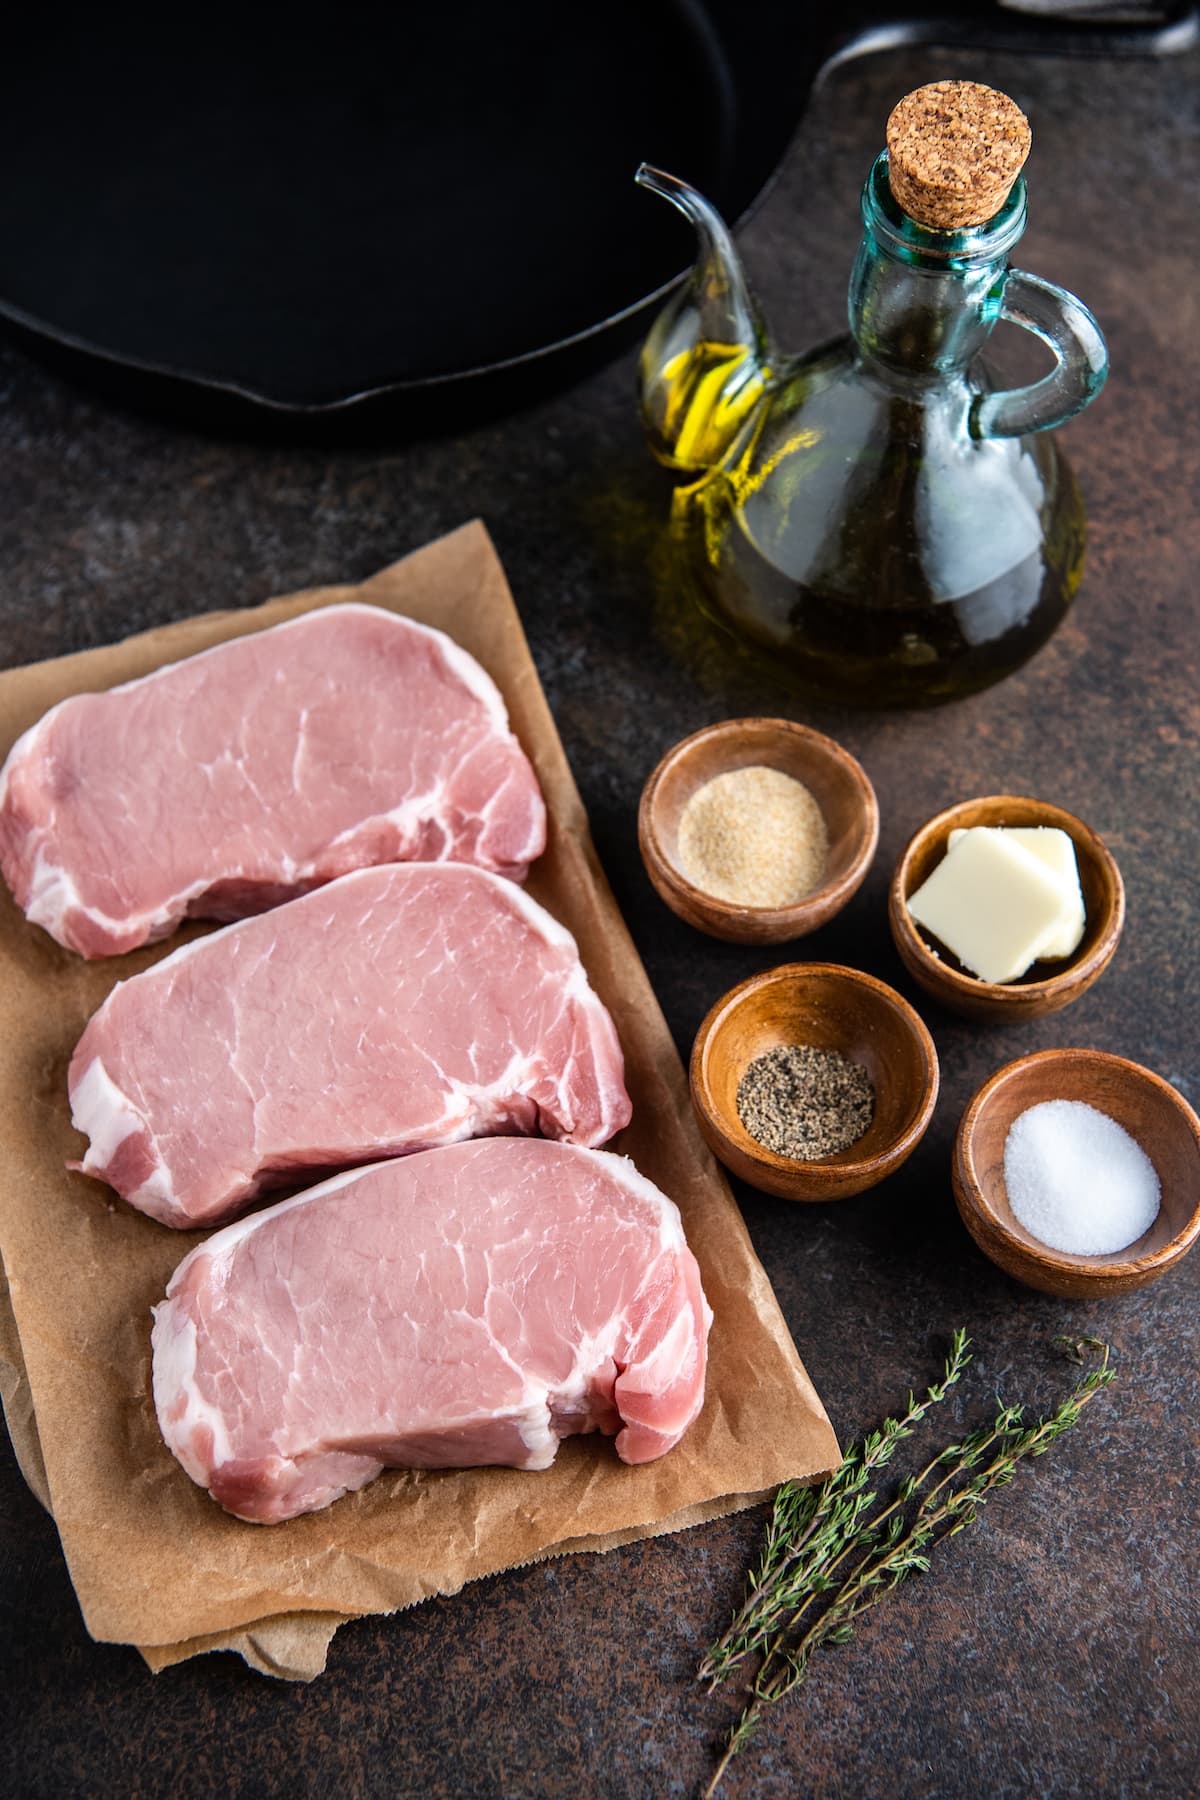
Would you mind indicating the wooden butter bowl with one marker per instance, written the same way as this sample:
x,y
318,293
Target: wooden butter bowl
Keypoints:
x,y
831,1008
1148,1108
838,784
1048,985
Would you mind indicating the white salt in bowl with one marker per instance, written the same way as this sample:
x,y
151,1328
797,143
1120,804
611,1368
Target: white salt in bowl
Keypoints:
x,y
837,782
1154,1114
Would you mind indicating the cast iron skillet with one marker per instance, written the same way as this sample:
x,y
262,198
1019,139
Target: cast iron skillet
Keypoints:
x,y
302,211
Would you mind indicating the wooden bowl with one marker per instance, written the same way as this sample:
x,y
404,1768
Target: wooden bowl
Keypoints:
x,y
1148,1108
831,1008
1047,986
836,782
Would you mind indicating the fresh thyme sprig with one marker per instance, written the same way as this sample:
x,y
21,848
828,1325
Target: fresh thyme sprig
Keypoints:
x,y
810,1526
807,1545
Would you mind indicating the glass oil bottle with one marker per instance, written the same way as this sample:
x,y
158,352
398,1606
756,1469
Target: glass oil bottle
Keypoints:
x,y
873,515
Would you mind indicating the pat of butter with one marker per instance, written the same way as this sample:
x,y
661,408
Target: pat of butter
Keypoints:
x,y
992,902
1055,849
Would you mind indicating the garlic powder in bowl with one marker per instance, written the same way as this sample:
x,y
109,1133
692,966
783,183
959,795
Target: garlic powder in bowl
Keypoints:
x,y
754,836
757,830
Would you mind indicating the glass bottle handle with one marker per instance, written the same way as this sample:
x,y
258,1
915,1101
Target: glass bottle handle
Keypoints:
x,y
1080,354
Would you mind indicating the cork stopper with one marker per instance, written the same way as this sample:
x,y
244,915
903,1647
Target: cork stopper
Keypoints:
x,y
954,150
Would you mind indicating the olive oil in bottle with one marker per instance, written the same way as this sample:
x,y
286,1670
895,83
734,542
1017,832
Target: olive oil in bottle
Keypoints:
x,y
878,520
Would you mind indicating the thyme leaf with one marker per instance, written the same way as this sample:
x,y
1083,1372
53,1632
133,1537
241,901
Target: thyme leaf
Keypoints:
x,y
810,1527
833,1552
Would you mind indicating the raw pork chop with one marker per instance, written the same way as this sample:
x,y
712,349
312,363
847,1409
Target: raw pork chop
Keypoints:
x,y
395,1009
471,1305
248,774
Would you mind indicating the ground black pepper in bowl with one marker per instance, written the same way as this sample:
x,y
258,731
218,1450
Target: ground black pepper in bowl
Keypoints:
x,y
805,1103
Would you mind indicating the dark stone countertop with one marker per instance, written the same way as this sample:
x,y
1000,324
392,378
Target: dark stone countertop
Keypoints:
x,y
1053,1650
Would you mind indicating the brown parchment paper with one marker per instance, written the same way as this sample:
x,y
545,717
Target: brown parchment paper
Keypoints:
x,y
154,1561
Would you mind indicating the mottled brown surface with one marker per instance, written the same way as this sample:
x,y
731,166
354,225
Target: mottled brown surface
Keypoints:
x,y
1054,1651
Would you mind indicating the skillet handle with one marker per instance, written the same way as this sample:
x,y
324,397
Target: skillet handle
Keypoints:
x,y
1045,27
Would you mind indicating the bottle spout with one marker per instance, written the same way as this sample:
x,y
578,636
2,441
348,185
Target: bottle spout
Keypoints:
x,y
689,200
704,365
